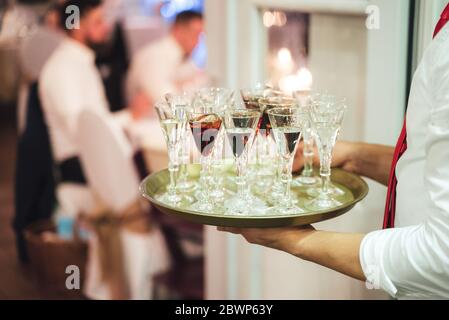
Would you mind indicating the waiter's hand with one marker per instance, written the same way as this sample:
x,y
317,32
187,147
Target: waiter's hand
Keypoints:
x,y
284,239
342,157
140,106
338,251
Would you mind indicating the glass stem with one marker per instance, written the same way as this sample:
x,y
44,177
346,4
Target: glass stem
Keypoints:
x,y
279,168
258,150
286,178
241,176
308,154
205,176
263,148
184,155
217,157
173,168
182,171
325,172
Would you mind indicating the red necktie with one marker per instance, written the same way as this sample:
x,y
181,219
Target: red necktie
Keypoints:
x,y
401,146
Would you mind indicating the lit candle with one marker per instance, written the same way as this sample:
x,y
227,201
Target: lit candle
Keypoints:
x,y
305,79
285,62
301,81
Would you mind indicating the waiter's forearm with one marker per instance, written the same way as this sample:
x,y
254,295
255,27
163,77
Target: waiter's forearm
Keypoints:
x,y
371,160
337,251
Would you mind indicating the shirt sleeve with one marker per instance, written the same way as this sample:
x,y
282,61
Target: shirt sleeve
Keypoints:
x,y
61,97
414,261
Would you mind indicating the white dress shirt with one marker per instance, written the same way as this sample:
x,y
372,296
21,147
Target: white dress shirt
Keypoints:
x,y
162,67
70,82
412,260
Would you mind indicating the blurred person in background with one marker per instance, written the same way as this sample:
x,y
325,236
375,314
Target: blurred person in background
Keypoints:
x,y
70,82
34,51
34,182
166,65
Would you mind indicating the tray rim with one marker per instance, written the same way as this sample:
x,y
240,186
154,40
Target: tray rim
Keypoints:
x,y
195,215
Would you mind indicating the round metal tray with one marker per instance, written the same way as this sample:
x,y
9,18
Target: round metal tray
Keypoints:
x,y
354,187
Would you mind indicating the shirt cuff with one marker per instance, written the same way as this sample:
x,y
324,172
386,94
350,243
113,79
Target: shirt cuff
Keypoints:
x,y
371,259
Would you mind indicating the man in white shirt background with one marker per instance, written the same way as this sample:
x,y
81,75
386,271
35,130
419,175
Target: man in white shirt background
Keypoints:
x,y
70,81
165,65
411,260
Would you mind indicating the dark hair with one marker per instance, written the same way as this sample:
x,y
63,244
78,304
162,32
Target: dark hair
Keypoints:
x,y
84,6
185,17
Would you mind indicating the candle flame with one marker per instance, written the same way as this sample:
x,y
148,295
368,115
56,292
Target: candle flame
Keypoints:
x,y
302,80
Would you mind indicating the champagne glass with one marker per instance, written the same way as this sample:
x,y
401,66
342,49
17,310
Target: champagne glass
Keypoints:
x,y
326,119
286,123
266,104
324,99
251,96
182,105
304,98
240,126
216,100
172,129
251,99
205,127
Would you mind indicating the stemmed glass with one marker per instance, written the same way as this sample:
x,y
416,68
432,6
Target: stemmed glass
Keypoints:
x,y
304,98
182,105
205,127
326,119
323,99
251,98
173,130
240,126
216,100
266,104
287,124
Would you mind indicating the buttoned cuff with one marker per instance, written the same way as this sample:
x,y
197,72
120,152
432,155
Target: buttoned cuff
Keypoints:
x,y
372,253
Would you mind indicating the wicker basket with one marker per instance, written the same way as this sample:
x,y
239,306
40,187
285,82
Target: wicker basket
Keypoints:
x,y
49,257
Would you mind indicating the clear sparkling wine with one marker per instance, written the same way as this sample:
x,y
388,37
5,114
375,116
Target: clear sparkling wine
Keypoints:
x,y
171,129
